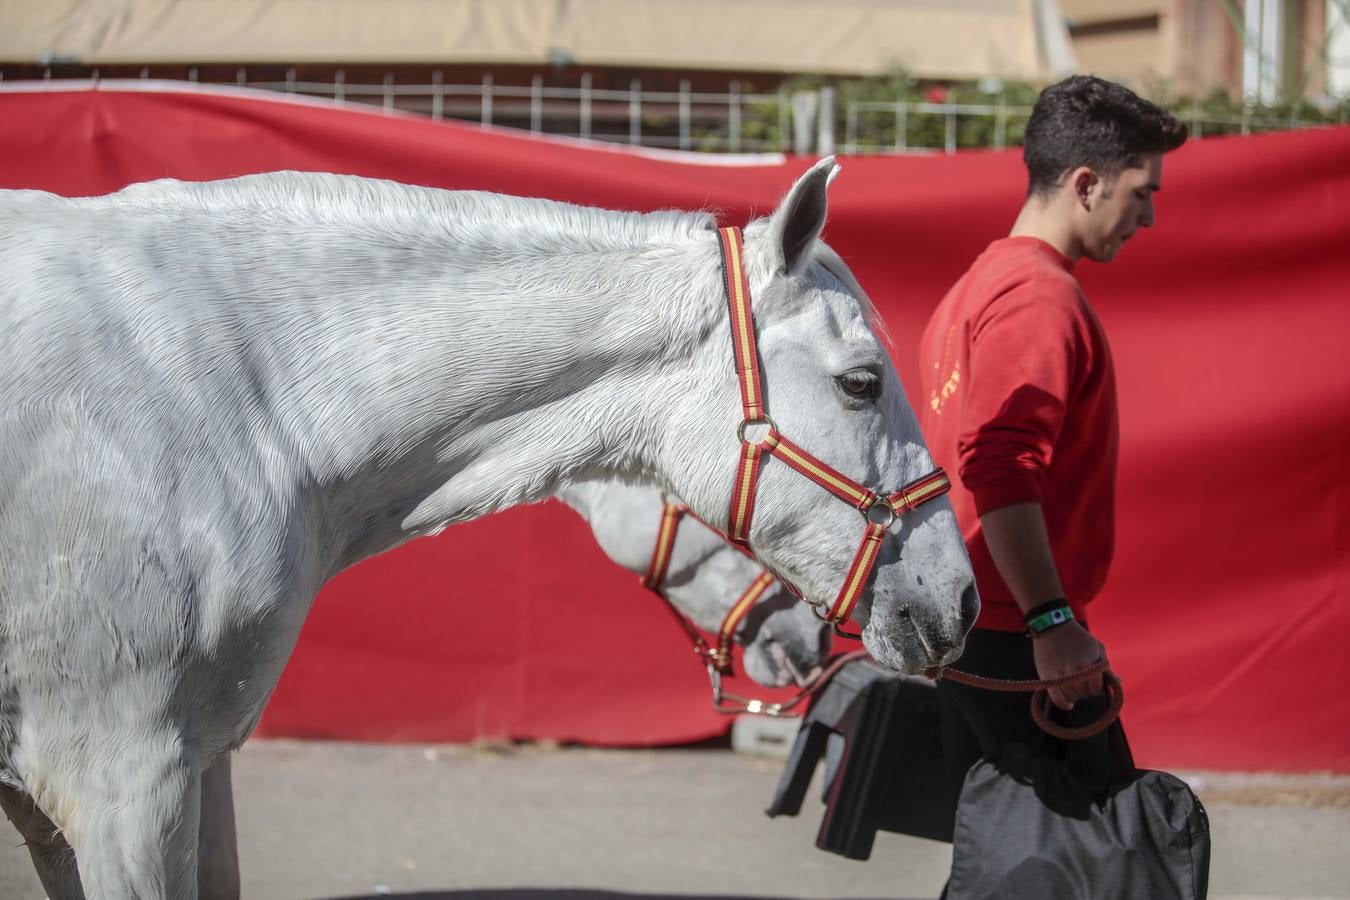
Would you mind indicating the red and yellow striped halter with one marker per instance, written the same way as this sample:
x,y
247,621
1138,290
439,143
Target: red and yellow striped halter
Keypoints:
x,y
718,658
879,509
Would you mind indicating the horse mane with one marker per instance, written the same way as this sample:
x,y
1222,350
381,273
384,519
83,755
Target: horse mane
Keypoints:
x,y
465,222
411,214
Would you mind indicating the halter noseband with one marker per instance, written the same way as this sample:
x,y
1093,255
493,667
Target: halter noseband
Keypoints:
x,y
879,509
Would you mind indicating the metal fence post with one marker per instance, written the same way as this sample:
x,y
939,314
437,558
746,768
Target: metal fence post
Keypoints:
x,y
586,105
241,76
485,101
388,91
804,105
536,103
684,114
635,112
290,80
734,116
949,139
851,129
784,124
437,96
825,123
1000,123
901,126
340,86
192,75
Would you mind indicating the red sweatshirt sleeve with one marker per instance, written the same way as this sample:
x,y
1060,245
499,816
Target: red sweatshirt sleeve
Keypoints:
x,y
1025,349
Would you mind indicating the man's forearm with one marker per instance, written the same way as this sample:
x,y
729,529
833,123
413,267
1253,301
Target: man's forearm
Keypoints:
x,y
1018,542
1020,546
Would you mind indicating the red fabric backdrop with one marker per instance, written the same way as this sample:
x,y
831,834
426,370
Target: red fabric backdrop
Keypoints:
x,y
1229,602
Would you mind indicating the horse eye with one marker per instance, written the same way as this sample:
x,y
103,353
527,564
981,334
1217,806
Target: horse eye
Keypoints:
x,y
861,383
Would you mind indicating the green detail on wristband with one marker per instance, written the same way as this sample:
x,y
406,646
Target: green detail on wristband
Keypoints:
x,y
1050,619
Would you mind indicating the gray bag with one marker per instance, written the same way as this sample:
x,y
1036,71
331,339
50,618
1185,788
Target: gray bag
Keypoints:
x,y
1028,829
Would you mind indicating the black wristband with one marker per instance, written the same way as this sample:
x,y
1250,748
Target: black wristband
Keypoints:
x,y
1047,616
1044,608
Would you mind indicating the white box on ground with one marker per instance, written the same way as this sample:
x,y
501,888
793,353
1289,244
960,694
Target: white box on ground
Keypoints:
x,y
763,735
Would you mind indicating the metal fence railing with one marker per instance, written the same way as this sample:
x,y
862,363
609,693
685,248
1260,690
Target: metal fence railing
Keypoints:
x,y
903,115
682,119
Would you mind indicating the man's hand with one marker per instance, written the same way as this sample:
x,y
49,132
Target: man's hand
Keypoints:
x,y
1063,651
1021,549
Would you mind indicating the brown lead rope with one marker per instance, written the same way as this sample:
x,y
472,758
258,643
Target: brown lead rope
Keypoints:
x,y
1040,696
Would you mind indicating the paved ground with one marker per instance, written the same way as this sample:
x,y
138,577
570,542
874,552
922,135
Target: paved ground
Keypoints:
x,y
325,821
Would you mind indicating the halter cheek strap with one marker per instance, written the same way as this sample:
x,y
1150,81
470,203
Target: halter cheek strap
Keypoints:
x,y
879,510
671,514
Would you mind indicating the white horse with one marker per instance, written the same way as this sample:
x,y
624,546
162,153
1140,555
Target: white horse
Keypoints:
x,y
216,396
784,642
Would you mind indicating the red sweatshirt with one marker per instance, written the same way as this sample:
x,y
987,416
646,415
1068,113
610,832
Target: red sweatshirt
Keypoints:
x,y
1020,404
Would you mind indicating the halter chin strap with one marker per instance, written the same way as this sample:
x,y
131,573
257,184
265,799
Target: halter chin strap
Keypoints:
x,y
879,510
719,659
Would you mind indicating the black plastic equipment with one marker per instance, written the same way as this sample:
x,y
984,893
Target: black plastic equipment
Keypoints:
x,y
881,736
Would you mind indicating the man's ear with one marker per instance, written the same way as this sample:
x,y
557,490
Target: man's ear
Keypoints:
x,y
1087,186
796,223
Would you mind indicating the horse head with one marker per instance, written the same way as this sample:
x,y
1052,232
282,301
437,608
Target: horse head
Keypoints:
x,y
836,440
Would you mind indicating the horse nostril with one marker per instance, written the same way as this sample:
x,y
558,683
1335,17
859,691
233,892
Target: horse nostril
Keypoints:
x,y
970,607
904,612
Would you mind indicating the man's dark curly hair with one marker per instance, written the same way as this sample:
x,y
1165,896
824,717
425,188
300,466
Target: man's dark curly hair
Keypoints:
x,y
1087,121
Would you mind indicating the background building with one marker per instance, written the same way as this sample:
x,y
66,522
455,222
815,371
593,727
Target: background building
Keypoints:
x,y
1263,50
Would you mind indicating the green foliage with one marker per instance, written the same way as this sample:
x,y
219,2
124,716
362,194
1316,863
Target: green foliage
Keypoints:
x,y
1216,112
1002,122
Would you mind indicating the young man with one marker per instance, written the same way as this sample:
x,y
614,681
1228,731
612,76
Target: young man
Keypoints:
x,y
1021,406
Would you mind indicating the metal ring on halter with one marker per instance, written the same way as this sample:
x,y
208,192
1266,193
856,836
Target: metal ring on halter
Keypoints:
x,y
816,606
835,626
762,420
882,505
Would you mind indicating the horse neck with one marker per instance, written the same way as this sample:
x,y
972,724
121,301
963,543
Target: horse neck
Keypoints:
x,y
448,387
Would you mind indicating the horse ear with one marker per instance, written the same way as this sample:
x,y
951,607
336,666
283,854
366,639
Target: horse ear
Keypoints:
x,y
797,221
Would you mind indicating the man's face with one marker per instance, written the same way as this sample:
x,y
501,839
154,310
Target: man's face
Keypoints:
x,y
1121,207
